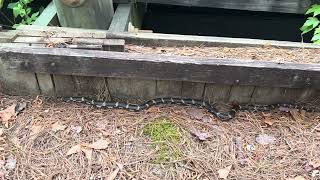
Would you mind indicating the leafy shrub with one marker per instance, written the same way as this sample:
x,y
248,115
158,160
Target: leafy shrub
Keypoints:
x,y
312,23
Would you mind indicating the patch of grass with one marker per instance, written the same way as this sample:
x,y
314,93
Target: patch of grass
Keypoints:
x,y
166,136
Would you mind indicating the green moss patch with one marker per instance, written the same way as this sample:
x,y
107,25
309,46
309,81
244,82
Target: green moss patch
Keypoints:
x,y
166,136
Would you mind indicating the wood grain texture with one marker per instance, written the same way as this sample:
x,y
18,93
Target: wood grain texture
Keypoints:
x,y
158,67
241,94
45,84
91,87
284,6
193,90
64,85
169,88
121,18
95,14
47,17
158,39
132,90
266,95
17,83
217,93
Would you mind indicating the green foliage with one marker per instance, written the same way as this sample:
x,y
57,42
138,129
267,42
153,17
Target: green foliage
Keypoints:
x,y
312,23
21,10
165,135
1,3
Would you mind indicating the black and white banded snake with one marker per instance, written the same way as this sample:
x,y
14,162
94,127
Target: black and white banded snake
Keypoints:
x,y
223,116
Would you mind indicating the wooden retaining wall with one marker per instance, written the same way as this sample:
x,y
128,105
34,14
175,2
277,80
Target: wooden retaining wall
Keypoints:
x,y
56,61
130,77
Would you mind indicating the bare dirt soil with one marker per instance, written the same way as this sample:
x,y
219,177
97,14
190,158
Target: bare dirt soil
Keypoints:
x,y
58,140
266,53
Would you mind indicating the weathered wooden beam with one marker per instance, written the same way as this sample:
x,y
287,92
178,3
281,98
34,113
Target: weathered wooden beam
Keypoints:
x,y
91,14
284,6
158,67
158,39
121,18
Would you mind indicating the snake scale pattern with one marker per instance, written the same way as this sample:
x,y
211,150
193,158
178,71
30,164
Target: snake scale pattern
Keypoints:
x,y
223,116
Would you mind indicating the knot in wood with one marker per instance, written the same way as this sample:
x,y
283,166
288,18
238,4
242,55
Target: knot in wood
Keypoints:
x,y
73,3
308,82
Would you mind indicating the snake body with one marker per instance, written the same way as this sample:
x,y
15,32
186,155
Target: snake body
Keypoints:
x,y
223,116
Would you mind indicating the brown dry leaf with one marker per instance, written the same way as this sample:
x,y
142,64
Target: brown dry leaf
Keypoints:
x,y
269,121
58,126
8,113
296,115
297,178
35,129
114,174
1,131
74,149
201,136
315,164
88,153
100,144
223,173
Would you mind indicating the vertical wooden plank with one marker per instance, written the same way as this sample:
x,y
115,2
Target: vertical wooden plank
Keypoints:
x,y
45,82
17,83
241,94
48,16
121,18
89,14
216,93
64,85
46,85
169,88
92,87
192,90
268,95
132,90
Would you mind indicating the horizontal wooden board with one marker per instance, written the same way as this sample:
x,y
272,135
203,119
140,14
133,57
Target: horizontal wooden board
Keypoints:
x,y
284,6
159,67
157,39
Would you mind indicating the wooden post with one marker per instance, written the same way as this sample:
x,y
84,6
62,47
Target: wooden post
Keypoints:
x,y
88,14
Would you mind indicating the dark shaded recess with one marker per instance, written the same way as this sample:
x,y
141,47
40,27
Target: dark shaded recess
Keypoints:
x,y
35,5
224,23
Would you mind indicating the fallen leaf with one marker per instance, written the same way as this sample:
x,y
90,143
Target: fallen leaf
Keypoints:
x,y
35,129
201,136
315,164
58,126
74,149
1,131
100,144
312,165
223,173
296,115
114,174
8,113
196,113
297,178
269,121
265,139
88,153
11,163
